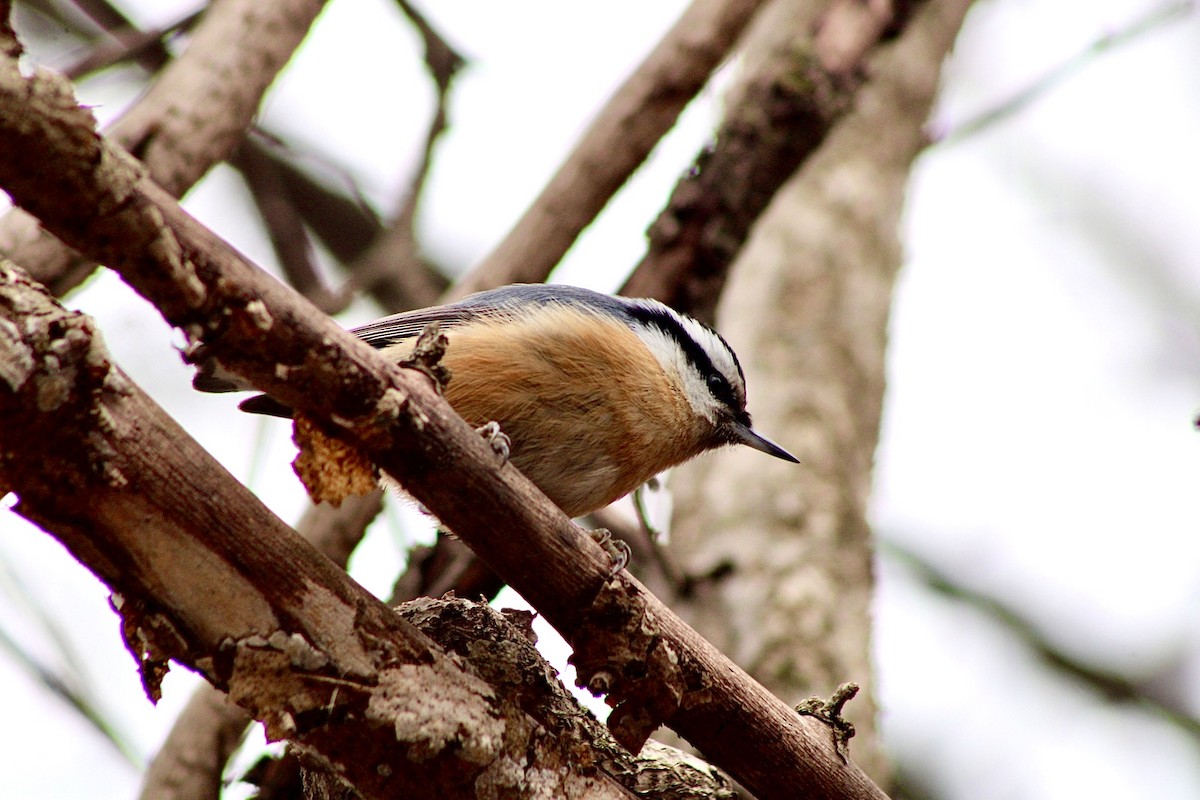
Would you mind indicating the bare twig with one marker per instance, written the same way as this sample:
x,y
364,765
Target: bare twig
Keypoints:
x,y
393,270
388,264
285,227
1150,21
441,58
331,206
146,48
261,330
616,143
1106,684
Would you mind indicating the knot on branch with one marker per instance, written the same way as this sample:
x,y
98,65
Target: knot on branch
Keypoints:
x,y
618,652
427,355
830,712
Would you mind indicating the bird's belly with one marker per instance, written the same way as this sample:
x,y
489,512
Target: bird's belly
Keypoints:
x,y
575,460
590,413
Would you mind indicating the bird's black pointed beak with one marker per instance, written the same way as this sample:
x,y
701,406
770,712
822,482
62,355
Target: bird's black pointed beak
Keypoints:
x,y
747,436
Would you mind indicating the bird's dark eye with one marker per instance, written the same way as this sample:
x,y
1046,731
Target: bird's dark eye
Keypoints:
x,y
716,385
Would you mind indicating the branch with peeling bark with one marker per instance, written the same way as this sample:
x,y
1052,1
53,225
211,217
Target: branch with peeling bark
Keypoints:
x,y
203,574
658,669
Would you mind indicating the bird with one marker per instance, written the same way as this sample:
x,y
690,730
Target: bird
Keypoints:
x,y
596,393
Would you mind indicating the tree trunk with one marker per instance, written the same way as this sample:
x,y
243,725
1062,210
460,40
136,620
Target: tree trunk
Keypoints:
x,y
807,309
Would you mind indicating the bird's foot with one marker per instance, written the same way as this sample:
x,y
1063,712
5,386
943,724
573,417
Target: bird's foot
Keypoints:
x,y
498,440
617,549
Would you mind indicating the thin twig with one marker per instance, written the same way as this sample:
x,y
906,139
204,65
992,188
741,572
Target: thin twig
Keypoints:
x,y
285,226
146,48
1147,23
326,195
1109,685
393,270
616,143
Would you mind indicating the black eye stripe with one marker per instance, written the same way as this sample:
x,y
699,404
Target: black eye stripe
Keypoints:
x,y
695,353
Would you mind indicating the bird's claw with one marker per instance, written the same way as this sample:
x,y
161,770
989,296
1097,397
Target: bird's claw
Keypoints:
x,y
496,438
617,549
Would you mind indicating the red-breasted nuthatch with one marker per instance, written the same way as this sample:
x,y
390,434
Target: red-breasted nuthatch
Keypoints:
x,y
597,394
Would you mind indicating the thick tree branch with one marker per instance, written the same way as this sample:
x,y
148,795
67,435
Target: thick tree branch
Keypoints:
x,y
616,143
209,728
785,111
655,666
203,574
387,262
500,646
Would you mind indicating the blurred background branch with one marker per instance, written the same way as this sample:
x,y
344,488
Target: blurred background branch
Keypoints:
x,y
337,233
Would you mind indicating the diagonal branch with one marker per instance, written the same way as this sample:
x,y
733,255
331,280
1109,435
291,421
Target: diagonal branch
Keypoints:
x,y
616,143
656,667
1107,684
787,108
147,49
203,574
1150,21
393,269
209,729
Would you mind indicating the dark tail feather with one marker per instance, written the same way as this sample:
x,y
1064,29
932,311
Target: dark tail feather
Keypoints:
x,y
265,404
210,377
214,385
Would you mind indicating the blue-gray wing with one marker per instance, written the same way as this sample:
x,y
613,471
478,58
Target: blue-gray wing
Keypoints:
x,y
505,301
389,330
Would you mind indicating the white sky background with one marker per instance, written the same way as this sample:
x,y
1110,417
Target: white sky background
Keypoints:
x,y
1043,371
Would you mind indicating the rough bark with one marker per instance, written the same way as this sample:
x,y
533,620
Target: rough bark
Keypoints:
x,y
203,574
807,309
654,668
208,731
795,86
